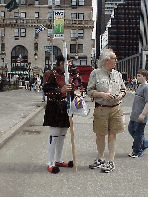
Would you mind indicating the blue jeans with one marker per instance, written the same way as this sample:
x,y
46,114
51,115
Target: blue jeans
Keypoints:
x,y
136,130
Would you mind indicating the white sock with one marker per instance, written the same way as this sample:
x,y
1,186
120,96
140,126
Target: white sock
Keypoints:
x,y
59,148
51,148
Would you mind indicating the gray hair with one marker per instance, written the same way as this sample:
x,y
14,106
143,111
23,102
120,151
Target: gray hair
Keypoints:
x,y
105,55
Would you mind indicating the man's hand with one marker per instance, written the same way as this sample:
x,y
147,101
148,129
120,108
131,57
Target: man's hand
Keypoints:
x,y
118,96
141,117
66,88
107,96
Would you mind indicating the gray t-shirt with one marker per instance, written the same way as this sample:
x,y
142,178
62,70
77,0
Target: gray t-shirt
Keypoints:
x,y
141,97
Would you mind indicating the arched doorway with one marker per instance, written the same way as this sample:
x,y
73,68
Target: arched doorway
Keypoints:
x,y
19,59
48,57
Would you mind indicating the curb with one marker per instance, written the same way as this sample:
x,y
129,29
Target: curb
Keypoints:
x,y
9,134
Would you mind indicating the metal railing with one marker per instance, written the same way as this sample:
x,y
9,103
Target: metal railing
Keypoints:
x,y
129,65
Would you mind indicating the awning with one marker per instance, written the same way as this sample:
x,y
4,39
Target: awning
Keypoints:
x,y
18,72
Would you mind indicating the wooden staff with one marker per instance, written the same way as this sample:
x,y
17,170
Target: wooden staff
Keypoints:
x,y
69,106
73,145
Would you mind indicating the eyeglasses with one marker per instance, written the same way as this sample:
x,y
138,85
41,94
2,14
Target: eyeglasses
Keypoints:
x,y
113,59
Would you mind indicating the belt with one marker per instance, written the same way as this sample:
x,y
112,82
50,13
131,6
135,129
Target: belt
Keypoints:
x,y
97,105
59,100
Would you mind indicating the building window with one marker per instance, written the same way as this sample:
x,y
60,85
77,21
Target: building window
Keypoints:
x,y
2,31
73,34
35,46
74,2
57,2
2,1
80,33
36,14
23,14
2,46
49,32
23,2
73,16
2,14
80,48
72,48
16,32
50,15
16,14
76,62
23,32
81,2
81,16
50,2
36,2
83,62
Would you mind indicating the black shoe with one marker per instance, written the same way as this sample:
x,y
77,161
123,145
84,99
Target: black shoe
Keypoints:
x,y
97,164
133,155
108,167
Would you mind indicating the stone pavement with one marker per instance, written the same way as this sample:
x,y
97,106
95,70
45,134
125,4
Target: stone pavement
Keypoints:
x,y
23,163
17,107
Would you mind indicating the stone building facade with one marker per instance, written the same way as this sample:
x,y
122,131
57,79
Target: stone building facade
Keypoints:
x,y
22,45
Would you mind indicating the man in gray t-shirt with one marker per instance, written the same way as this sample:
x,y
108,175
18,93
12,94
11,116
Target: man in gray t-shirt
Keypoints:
x,y
141,97
139,117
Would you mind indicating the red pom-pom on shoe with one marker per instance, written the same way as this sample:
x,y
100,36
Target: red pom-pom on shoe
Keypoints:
x,y
70,164
53,169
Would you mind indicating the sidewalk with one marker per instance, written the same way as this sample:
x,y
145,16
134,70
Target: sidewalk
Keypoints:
x,y
23,163
16,108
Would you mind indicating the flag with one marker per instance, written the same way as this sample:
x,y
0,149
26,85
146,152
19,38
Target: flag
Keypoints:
x,y
59,24
20,58
12,5
41,28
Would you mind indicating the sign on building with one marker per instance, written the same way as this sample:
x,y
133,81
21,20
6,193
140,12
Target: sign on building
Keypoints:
x,y
59,24
48,49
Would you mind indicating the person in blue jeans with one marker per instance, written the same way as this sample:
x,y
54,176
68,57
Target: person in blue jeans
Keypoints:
x,y
139,117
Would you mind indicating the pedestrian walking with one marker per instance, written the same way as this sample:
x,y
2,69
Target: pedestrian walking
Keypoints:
x,y
56,116
139,117
38,83
43,94
134,83
107,88
31,81
34,83
27,82
129,84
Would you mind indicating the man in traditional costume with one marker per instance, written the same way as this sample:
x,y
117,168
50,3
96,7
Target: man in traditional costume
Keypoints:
x,y
56,116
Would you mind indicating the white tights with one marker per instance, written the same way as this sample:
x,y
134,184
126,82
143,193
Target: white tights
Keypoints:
x,y
55,143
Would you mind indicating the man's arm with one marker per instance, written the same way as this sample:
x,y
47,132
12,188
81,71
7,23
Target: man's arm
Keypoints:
x,y
143,114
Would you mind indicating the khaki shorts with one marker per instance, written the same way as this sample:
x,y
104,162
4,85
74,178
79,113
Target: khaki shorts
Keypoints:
x,y
108,120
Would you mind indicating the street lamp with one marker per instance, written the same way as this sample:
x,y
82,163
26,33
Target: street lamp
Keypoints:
x,y
76,56
2,57
29,68
35,56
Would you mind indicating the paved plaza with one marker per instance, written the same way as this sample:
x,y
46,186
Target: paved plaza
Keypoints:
x,y
24,157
